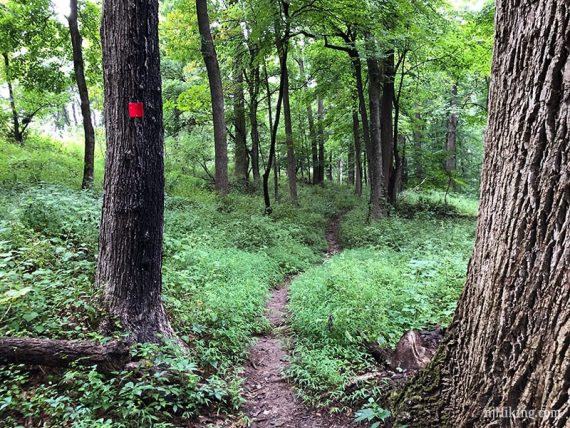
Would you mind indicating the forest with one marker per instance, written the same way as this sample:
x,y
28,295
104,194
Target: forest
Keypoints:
x,y
284,213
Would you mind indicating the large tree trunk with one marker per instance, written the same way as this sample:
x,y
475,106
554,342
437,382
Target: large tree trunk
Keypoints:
x,y
78,66
321,139
16,131
506,350
130,253
386,124
61,353
451,141
240,153
217,95
375,176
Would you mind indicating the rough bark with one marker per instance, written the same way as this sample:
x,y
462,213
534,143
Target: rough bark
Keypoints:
x,y
16,132
240,151
130,243
375,173
321,139
506,350
217,96
61,353
79,68
451,140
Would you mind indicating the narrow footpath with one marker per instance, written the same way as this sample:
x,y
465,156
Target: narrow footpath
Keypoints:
x,y
270,399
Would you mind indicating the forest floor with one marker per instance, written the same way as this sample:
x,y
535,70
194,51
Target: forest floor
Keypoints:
x,y
270,399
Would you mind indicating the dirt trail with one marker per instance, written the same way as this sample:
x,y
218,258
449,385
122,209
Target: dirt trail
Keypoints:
x,y
270,400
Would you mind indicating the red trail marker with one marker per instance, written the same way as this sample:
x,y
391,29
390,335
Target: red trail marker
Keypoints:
x,y
136,110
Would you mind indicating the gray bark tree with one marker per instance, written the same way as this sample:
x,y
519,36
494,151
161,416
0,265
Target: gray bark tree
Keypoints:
x,y
507,346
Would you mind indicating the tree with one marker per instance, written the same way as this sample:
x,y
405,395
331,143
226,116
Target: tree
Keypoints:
x,y
254,84
451,140
217,95
375,167
282,43
498,353
321,139
357,150
79,67
240,153
386,124
311,120
130,247
32,45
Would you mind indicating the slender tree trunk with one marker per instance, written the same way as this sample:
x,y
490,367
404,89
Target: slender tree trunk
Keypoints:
x,y
74,113
78,66
254,105
451,146
18,137
321,139
130,243
418,170
312,129
365,167
397,183
506,351
357,153
240,152
291,160
217,95
276,173
357,65
386,124
376,177
350,171
272,160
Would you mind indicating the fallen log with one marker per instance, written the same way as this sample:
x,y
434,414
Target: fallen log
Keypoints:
x,y
61,353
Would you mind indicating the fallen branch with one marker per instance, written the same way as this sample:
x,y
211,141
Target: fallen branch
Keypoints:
x,y
61,353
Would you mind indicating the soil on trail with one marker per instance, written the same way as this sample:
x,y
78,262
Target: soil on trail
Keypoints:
x,y
270,399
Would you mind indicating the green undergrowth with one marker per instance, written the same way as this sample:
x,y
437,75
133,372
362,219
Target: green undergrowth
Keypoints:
x,y
397,273
221,258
